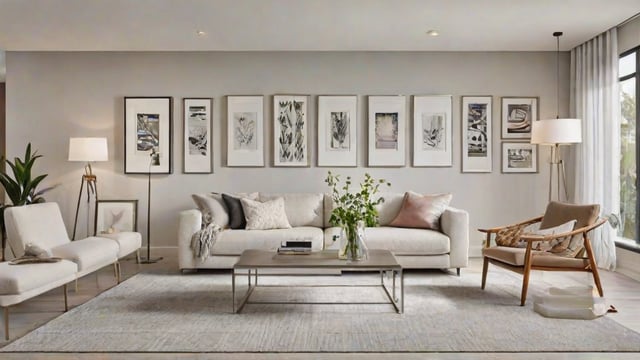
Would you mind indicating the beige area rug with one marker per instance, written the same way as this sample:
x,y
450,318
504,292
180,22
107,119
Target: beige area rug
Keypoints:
x,y
443,313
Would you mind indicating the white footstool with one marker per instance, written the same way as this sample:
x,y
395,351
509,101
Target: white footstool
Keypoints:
x,y
22,282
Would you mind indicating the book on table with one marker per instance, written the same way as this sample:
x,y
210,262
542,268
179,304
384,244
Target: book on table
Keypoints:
x,y
295,247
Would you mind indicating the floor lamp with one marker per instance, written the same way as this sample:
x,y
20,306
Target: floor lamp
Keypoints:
x,y
87,150
556,132
153,161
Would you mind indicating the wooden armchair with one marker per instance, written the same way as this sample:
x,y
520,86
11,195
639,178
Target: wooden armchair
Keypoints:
x,y
524,259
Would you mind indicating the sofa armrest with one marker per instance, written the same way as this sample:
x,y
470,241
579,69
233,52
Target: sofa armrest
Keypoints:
x,y
455,224
189,223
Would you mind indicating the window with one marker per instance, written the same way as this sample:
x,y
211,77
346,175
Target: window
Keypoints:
x,y
629,81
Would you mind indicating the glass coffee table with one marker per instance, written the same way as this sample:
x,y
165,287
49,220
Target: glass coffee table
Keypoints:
x,y
252,261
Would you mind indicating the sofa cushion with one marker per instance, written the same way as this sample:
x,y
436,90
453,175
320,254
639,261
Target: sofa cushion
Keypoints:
x,y
421,211
389,208
265,215
17,279
38,224
214,205
234,242
303,209
236,213
128,241
405,241
90,253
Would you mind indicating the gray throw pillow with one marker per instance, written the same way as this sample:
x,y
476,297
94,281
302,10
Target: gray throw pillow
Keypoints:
x,y
236,213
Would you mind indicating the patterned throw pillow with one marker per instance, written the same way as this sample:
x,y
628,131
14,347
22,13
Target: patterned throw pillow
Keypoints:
x,y
509,236
557,246
265,215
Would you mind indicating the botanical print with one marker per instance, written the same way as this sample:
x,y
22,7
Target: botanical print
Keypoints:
x,y
433,131
117,218
477,130
339,128
291,139
244,131
518,118
520,158
386,130
198,134
148,131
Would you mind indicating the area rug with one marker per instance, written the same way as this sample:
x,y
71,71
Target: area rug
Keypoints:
x,y
443,313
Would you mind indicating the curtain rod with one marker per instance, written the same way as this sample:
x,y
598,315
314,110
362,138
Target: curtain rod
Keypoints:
x,y
625,22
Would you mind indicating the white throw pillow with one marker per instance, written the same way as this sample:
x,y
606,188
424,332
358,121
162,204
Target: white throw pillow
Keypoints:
x,y
534,229
265,215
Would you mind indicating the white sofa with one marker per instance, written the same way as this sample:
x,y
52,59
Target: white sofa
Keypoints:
x,y
308,214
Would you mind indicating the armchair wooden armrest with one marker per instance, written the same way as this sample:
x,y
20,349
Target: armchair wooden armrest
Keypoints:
x,y
526,222
529,238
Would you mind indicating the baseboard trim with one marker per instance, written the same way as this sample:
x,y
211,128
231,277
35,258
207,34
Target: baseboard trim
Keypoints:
x,y
628,264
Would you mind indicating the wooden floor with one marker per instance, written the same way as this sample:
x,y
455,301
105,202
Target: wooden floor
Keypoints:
x,y
621,291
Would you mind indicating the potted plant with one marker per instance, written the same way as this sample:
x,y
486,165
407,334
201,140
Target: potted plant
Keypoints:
x,y
353,210
22,188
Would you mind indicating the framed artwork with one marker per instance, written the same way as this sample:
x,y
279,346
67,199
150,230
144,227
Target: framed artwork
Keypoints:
x,y
519,157
290,130
197,137
116,216
337,130
148,135
476,133
517,115
387,116
245,131
432,131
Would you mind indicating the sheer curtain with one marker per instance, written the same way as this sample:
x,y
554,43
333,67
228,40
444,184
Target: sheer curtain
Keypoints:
x,y
595,100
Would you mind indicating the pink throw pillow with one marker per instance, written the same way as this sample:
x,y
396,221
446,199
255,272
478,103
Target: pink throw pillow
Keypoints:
x,y
421,211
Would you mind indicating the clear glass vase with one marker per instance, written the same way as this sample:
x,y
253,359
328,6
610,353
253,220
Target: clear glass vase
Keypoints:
x,y
352,246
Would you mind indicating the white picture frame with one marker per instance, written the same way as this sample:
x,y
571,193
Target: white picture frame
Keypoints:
x,y
337,130
116,216
518,115
387,130
290,131
519,157
140,143
477,138
432,131
245,131
197,137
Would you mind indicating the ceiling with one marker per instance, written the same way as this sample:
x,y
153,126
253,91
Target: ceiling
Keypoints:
x,y
310,25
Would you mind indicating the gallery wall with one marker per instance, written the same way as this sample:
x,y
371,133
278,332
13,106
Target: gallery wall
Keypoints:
x,y
53,96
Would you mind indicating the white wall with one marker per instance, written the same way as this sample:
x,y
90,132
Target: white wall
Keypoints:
x,y
54,96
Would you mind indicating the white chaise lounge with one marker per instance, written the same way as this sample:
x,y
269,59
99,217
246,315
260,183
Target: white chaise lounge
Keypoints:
x,y
22,282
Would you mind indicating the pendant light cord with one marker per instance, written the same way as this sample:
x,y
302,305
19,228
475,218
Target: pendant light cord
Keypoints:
x,y
557,34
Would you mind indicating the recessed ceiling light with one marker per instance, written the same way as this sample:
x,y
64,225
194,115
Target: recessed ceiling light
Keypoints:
x,y
433,33
201,33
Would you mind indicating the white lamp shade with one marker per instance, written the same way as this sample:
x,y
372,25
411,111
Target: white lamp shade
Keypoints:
x,y
88,149
556,131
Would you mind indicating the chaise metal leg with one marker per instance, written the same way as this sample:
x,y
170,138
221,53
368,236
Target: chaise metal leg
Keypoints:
x,y
138,257
116,267
6,323
458,271
66,303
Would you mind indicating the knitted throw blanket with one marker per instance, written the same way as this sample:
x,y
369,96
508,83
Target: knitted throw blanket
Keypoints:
x,y
204,239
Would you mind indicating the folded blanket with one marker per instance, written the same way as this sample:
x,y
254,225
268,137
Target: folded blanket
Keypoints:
x,y
204,239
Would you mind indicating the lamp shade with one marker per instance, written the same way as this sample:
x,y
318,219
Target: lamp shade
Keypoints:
x,y
556,131
88,149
